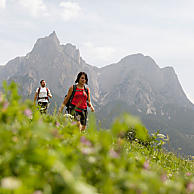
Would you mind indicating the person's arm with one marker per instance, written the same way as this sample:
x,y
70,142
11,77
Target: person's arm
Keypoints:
x,y
66,99
89,102
35,97
49,94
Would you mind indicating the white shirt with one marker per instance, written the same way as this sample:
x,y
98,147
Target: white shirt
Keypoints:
x,y
42,94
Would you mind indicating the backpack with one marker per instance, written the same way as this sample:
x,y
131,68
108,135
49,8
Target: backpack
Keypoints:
x,y
42,97
68,105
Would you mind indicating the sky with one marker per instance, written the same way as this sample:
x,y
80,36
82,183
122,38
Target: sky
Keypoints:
x,y
105,31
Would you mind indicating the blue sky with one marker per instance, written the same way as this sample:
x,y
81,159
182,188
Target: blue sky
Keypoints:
x,y
105,31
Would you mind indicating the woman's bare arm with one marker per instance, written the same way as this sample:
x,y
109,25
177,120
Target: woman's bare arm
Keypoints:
x,y
89,101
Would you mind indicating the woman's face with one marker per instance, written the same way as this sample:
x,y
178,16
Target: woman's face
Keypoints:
x,y
82,79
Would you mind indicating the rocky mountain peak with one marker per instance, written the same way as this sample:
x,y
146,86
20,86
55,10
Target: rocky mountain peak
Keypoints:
x,y
139,61
48,44
53,38
72,52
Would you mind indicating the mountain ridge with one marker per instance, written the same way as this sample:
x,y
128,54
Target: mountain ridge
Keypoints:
x,y
136,80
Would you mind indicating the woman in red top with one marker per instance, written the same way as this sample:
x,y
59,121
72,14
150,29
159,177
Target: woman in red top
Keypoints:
x,y
80,101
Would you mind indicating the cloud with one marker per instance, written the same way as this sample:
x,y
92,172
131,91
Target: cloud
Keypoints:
x,y
71,10
35,7
100,54
2,4
17,49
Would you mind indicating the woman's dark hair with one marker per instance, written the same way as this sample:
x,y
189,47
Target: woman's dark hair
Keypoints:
x,y
79,75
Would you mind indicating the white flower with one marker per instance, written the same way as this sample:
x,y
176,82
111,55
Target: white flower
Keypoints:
x,y
68,116
161,135
10,183
92,159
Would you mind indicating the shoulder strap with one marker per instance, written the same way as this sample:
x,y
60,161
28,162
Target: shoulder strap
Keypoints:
x,y
86,90
39,93
73,93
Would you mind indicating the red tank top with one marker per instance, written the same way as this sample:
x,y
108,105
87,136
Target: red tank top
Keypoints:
x,y
80,99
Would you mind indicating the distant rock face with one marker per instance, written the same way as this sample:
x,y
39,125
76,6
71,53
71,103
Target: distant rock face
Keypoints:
x,y
136,79
57,64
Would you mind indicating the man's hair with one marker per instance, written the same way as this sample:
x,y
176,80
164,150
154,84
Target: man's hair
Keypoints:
x,y
79,75
41,81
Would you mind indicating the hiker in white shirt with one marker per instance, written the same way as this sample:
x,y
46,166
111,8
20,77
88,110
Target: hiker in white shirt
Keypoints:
x,y
42,96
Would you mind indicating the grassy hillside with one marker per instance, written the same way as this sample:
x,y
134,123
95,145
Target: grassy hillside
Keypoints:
x,y
48,154
180,127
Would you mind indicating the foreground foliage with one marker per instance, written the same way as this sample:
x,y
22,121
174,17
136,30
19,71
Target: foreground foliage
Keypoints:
x,y
48,154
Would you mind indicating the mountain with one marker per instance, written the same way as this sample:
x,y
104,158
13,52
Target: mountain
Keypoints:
x,y
144,83
135,84
57,64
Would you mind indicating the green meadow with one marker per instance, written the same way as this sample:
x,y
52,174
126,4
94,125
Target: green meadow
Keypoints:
x,y
48,154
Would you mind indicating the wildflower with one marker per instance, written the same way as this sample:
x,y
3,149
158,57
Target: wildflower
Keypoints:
x,y
74,123
68,116
10,183
57,124
38,192
113,153
190,187
188,174
169,175
87,151
162,136
85,141
92,159
146,165
5,105
28,113
164,177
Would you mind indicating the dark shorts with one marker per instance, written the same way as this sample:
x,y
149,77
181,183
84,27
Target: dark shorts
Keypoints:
x,y
43,106
80,116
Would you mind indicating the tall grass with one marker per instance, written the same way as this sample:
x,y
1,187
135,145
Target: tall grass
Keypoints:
x,y
48,154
